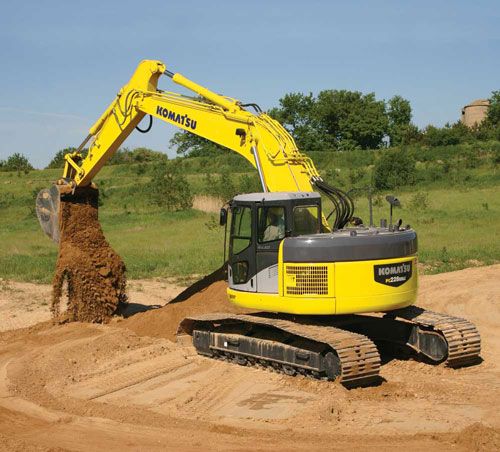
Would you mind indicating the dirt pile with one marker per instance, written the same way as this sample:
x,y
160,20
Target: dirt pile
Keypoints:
x,y
91,272
479,437
205,296
82,386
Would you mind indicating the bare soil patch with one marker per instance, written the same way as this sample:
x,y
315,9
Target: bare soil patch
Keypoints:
x,y
126,386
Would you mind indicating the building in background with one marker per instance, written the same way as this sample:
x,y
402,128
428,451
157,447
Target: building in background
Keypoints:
x,y
475,112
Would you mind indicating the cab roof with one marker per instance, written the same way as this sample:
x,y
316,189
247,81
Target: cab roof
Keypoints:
x,y
277,196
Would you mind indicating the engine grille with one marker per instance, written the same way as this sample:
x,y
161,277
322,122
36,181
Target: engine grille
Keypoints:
x,y
306,280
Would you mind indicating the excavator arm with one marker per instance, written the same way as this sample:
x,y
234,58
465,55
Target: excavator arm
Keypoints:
x,y
263,141
258,138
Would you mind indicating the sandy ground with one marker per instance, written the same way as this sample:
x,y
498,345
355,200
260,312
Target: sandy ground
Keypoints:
x,y
88,387
26,304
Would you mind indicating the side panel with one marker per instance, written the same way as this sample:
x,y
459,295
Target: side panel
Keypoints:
x,y
279,302
276,303
357,290
267,279
337,288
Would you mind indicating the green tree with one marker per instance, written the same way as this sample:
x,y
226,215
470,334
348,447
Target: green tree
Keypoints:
x,y
494,110
17,162
394,169
399,111
450,134
295,113
169,188
350,119
189,144
399,115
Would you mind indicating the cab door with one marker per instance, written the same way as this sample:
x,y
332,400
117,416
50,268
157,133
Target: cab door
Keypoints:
x,y
271,230
242,265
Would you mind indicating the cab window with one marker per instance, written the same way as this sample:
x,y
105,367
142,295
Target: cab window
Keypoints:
x,y
271,224
241,229
306,220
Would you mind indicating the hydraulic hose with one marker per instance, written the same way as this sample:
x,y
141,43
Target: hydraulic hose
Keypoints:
x,y
342,202
148,128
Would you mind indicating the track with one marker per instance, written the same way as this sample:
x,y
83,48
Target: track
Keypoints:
x,y
345,350
462,336
320,351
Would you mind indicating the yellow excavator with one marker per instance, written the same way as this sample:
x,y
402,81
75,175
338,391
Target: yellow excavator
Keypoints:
x,y
329,296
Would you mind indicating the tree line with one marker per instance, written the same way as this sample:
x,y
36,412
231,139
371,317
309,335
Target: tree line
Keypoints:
x,y
342,120
333,120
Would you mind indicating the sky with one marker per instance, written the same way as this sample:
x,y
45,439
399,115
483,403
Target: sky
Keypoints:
x,y
62,62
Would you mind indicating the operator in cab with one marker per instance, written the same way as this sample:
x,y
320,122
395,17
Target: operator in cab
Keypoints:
x,y
275,229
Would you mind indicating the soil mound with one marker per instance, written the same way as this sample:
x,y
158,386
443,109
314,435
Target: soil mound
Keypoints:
x,y
83,386
478,437
201,298
91,272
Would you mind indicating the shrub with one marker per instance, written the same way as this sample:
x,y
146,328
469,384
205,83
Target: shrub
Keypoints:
x,y
17,162
394,169
495,158
419,201
356,175
472,159
446,136
220,186
432,171
249,184
137,155
168,188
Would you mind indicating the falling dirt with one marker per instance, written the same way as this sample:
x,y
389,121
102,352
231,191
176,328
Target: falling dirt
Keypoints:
x,y
123,386
87,268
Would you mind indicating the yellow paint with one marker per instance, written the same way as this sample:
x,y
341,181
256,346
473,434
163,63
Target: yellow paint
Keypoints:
x,y
351,289
217,118
357,291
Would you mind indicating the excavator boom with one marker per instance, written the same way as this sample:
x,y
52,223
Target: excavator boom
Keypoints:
x,y
257,137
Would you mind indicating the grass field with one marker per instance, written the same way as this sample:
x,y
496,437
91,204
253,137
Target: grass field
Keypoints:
x,y
457,219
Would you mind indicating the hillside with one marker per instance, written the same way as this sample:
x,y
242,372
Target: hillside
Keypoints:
x,y
453,203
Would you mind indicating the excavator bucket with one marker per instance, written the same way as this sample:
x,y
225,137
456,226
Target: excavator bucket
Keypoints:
x,y
48,203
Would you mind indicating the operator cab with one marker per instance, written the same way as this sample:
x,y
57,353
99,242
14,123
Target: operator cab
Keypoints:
x,y
262,224
259,222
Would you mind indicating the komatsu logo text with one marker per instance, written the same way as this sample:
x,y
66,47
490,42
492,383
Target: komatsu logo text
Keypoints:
x,y
393,274
183,120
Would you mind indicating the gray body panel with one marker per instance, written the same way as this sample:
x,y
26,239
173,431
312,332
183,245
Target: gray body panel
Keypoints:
x,y
265,281
249,286
366,244
276,196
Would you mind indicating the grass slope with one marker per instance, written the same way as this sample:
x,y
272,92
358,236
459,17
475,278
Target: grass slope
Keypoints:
x,y
454,208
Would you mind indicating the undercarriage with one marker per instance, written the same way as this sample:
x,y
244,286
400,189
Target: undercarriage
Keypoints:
x,y
344,348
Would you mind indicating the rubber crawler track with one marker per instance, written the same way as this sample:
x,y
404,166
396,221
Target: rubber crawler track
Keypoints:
x,y
462,336
359,357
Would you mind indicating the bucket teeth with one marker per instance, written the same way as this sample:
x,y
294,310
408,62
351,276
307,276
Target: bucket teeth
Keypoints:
x,y
47,211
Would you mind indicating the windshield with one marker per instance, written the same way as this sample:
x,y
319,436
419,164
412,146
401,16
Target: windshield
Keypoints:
x,y
306,220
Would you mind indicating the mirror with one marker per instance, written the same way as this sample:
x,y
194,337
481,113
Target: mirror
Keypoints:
x,y
393,201
223,216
